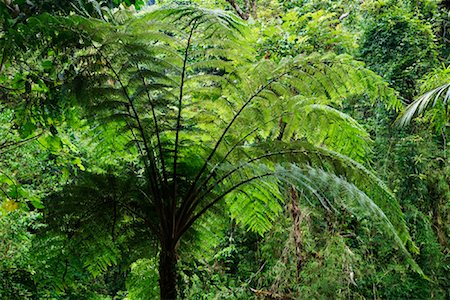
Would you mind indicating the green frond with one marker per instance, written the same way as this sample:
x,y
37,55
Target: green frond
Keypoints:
x,y
257,205
99,258
326,126
331,178
434,101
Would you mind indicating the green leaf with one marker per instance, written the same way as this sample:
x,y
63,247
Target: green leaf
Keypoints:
x,y
47,64
78,163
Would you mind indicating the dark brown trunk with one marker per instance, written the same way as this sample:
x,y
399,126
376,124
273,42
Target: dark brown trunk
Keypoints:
x,y
168,272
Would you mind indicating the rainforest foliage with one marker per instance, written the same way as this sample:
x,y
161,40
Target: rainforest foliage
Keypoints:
x,y
224,149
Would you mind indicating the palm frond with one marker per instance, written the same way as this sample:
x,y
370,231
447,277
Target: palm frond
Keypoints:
x,y
425,102
435,90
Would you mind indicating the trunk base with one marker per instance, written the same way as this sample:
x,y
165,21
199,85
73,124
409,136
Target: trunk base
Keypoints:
x,y
168,274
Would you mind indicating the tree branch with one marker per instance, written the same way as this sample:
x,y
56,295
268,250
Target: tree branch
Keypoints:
x,y
244,15
11,144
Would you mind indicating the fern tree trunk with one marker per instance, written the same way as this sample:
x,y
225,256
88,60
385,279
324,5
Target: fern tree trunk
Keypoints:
x,y
167,271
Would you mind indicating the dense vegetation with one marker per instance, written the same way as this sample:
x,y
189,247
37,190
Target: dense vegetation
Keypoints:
x,y
227,149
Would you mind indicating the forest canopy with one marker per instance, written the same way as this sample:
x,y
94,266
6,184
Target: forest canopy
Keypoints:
x,y
226,149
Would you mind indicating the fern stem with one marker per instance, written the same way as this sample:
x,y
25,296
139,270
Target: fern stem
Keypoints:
x,y
158,137
180,104
13,144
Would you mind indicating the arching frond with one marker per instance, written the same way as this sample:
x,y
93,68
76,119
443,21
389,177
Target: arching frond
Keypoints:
x,y
252,190
97,214
257,205
305,92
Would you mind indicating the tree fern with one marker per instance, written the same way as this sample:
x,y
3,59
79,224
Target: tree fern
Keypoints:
x,y
209,125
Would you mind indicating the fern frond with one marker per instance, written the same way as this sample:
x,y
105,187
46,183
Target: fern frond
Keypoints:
x,y
324,125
